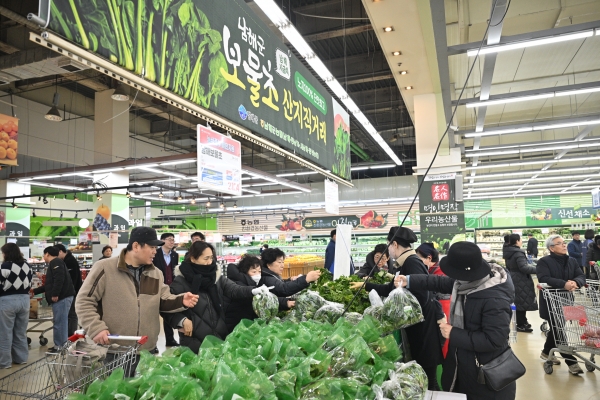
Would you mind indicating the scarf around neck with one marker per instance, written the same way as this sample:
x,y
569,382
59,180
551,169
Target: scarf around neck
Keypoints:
x,y
202,279
462,289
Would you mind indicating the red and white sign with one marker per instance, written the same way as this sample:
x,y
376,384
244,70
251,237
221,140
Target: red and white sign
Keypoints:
x,y
440,192
219,162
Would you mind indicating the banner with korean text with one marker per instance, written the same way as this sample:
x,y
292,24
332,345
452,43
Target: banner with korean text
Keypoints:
x,y
442,217
219,162
221,56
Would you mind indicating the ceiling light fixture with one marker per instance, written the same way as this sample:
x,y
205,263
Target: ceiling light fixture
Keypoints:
x,y
222,205
279,19
75,198
193,201
45,201
388,29
486,103
408,88
161,195
128,195
61,215
235,205
530,43
53,114
121,93
403,72
396,53
208,202
76,214
34,213
98,197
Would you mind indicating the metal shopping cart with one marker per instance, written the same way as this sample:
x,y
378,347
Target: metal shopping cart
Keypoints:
x,y
575,320
68,371
42,324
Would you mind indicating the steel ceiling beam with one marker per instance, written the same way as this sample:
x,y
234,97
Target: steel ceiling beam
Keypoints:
x,y
356,80
354,30
463,48
527,93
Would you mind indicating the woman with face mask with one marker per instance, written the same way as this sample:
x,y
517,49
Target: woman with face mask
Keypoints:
x,y
272,268
198,274
246,273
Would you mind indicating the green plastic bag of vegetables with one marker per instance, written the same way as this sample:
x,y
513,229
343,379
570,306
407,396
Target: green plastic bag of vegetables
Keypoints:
x,y
353,317
369,329
400,310
350,356
330,312
185,388
265,305
415,371
386,348
308,303
285,384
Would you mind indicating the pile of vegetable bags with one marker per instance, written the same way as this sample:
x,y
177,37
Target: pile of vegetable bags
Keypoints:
x,y
277,361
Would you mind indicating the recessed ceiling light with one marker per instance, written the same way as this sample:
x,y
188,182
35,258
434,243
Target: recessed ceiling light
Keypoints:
x,y
403,72
388,29
396,53
408,88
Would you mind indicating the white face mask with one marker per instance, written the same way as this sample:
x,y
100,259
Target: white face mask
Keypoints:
x,y
256,278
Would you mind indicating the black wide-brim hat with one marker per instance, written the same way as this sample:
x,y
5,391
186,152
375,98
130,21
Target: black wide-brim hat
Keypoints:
x,y
464,262
402,233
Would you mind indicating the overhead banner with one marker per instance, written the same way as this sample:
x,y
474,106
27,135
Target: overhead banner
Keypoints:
x,y
370,220
441,216
9,137
219,162
219,55
332,200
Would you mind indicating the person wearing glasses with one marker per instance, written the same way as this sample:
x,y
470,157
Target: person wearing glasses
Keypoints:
x,y
378,259
166,259
560,272
198,274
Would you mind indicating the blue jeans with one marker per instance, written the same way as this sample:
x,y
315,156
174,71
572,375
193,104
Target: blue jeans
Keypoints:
x,y
60,319
14,316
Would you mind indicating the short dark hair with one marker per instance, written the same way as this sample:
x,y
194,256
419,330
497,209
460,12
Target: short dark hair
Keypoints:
x,y
506,238
198,248
514,238
166,235
106,248
61,247
332,233
382,248
51,250
199,234
435,255
575,233
530,234
269,256
247,262
589,234
266,246
12,253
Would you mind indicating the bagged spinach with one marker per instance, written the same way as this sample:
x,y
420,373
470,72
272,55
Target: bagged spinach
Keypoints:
x,y
265,305
353,317
308,303
400,310
330,312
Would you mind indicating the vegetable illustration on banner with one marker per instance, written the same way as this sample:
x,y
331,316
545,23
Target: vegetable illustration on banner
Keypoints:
x,y
220,56
371,220
219,162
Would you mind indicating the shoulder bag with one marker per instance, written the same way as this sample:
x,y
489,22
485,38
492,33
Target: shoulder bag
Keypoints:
x,y
501,371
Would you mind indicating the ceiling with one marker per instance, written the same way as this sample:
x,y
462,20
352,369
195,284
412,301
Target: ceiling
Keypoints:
x,y
542,70
350,50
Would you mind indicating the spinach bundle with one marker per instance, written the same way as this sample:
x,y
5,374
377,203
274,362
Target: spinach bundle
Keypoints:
x,y
265,305
330,312
400,310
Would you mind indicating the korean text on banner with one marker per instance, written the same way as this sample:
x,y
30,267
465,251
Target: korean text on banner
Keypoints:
x,y
332,201
219,162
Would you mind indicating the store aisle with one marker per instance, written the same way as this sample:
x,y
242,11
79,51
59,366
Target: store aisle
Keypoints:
x,y
535,384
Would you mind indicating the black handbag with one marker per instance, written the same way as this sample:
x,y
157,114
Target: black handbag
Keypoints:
x,y
501,371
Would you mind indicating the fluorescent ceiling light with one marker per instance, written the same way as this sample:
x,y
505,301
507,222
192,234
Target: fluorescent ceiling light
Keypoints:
x,y
523,195
530,43
306,173
567,125
533,162
85,174
276,15
533,128
516,173
358,168
498,132
539,178
579,91
296,187
383,166
511,100
242,196
267,194
25,179
484,153
283,175
250,191
292,192
46,177
149,169
265,184
178,162
530,184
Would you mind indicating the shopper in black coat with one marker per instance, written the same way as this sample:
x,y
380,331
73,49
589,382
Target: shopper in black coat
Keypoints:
x,y
532,246
382,256
520,272
423,338
272,268
593,255
246,273
560,272
480,317
75,274
197,274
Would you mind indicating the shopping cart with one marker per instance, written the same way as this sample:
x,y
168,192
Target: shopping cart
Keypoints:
x,y
575,320
60,374
40,324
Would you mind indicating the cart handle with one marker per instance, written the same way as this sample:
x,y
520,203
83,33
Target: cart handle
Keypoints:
x,y
141,340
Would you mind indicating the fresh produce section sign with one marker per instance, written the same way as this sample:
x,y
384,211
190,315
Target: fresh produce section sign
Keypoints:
x,y
219,162
371,220
441,216
219,55
9,136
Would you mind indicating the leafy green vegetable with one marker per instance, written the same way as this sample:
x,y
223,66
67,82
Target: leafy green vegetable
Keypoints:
x,y
400,310
265,305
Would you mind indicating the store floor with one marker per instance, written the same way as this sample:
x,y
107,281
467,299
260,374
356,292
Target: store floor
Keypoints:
x,y
534,385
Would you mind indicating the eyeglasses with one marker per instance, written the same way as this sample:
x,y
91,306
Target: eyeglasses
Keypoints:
x,y
559,244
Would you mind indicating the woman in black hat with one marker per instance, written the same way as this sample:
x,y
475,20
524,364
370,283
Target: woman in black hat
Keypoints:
x,y
479,327
423,338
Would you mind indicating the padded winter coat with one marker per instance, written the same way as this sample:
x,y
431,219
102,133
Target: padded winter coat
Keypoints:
x,y
487,316
365,270
593,254
205,319
282,288
520,272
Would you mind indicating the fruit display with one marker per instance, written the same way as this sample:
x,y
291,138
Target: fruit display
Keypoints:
x,y
9,133
290,224
373,220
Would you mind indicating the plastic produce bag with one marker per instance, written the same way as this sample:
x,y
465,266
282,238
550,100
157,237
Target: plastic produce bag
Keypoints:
x,y
330,312
350,356
187,389
386,348
413,369
374,298
265,305
369,328
353,317
400,310
308,303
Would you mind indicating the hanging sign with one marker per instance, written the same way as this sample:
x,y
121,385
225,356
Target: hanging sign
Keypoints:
x,y
219,162
9,136
332,201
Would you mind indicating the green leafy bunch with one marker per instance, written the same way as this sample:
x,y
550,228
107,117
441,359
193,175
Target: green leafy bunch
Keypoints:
x,y
165,41
341,165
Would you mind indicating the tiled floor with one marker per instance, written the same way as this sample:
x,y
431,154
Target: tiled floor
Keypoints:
x,y
534,385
